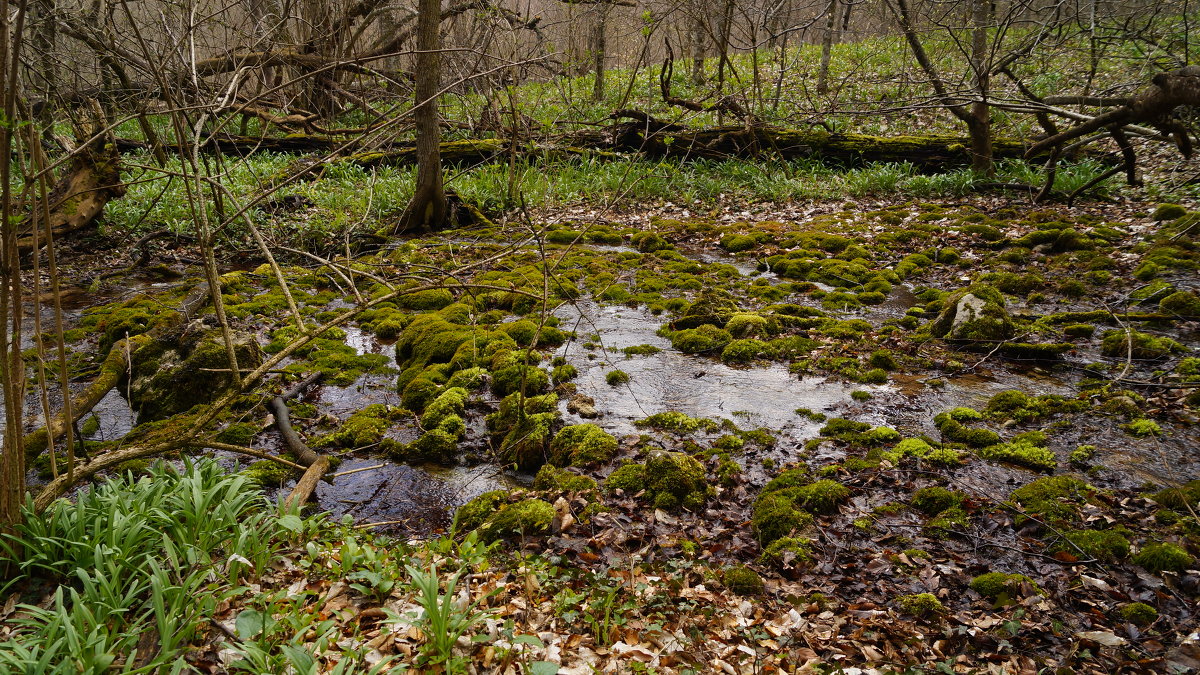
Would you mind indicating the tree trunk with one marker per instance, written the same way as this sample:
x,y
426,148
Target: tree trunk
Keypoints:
x,y
827,46
598,47
427,211
696,40
980,123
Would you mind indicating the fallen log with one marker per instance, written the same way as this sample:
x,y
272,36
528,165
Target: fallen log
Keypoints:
x,y
658,140
91,180
317,464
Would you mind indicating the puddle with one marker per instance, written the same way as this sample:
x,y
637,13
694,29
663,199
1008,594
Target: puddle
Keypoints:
x,y
407,498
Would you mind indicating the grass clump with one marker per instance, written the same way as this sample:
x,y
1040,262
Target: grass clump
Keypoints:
x,y
920,605
1163,557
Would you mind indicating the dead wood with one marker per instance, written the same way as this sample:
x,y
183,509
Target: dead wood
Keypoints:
x,y
317,464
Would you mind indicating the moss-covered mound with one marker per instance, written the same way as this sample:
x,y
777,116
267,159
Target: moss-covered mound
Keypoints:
x,y
169,378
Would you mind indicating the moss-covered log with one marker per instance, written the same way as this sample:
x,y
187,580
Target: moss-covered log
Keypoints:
x,y
926,151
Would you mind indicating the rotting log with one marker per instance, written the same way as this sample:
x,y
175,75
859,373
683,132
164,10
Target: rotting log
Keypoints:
x,y
650,138
90,181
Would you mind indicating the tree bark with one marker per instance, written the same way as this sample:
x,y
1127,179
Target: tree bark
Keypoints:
x,y
827,47
428,210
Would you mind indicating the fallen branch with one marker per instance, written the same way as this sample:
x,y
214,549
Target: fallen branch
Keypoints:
x,y
317,464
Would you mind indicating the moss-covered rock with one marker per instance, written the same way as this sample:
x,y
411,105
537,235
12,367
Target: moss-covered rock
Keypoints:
x,y
956,432
1138,613
789,553
582,444
705,339
743,351
1021,452
1168,212
1137,345
629,478
169,378
473,514
968,317
776,515
528,517
714,306
452,401
1053,498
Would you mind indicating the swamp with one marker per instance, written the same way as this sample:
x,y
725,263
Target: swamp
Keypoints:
x,y
408,365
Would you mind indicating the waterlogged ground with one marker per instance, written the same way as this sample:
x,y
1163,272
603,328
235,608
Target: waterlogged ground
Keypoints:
x,y
825,418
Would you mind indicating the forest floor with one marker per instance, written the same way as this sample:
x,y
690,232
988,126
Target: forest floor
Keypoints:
x,y
745,440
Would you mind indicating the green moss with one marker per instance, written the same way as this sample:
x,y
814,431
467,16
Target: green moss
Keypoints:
x,y
529,380
956,432
844,428
1054,498
432,299
452,401
641,350
706,338
951,519
1106,545
526,445
1167,212
748,325
1079,330
469,379
920,605
788,553
742,580
933,500
674,479
1022,453
615,378
363,428
267,473
736,243
963,414
1138,613
789,478
629,478
528,517
880,436
239,433
883,359
1182,303
1117,344
1180,498
582,444
650,242
1082,454
677,422
743,351
1000,586
1163,557
439,446
860,395
562,480
776,515
823,496
1143,427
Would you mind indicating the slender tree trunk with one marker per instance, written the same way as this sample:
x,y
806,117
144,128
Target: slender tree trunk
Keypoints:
x,y
598,47
45,76
12,367
827,46
696,40
980,123
427,211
